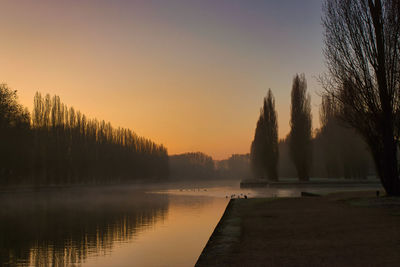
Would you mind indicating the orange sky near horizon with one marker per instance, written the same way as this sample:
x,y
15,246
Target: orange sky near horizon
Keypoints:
x,y
188,74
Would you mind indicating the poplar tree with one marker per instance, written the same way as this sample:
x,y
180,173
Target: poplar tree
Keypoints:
x,y
60,145
300,138
264,148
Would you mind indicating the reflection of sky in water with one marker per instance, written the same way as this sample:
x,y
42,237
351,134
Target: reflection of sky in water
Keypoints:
x,y
176,241
119,226
105,228
65,228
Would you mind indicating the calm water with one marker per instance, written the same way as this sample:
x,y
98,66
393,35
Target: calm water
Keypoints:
x,y
150,226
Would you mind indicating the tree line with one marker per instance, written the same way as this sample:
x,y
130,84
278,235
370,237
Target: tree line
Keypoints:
x,y
334,150
265,146
361,99
236,167
200,166
192,166
57,144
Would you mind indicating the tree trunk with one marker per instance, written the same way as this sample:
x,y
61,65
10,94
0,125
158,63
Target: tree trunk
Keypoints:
x,y
387,165
390,168
272,173
303,171
386,161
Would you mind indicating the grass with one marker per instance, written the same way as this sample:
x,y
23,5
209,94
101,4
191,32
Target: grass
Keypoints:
x,y
344,229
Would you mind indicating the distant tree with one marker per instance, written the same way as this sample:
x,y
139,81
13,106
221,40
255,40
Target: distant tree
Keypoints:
x,y
70,148
192,166
286,166
239,166
343,150
61,146
264,148
362,52
329,136
301,132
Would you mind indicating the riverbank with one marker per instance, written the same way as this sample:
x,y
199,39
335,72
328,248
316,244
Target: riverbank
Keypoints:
x,y
143,184
85,186
342,229
313,182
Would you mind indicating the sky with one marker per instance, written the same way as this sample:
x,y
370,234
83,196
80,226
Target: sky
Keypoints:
x,y
190,74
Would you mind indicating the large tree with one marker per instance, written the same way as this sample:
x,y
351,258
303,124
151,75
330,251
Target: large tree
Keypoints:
x,y
264,149
301,132
362,52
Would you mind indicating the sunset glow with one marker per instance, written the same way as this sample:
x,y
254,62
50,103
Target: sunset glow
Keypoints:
x,y
188,74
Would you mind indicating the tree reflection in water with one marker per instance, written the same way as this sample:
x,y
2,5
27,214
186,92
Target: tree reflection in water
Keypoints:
x,y
64,228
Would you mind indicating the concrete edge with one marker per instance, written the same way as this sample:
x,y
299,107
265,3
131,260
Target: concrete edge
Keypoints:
x,y
226,233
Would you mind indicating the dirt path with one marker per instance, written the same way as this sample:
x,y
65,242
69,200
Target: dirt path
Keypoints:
x,y
349,229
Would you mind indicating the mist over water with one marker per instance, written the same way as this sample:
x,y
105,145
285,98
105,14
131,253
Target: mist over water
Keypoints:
x,y
67,227
149,225
105,227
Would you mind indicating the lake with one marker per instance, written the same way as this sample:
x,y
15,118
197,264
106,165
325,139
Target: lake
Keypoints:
x,y
161,225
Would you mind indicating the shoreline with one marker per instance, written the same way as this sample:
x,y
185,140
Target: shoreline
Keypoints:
x,y
255,183
67,187
338,229
221,239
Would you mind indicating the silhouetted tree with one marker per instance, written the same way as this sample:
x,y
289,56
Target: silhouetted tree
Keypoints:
x,y
343,150
237,166
257,149
14,137
362,51
300,134
73,149
264,148
189,166
286,166
62,146
329,136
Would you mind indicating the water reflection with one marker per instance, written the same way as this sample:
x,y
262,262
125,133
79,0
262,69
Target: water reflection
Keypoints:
x,y
63,229
169,226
